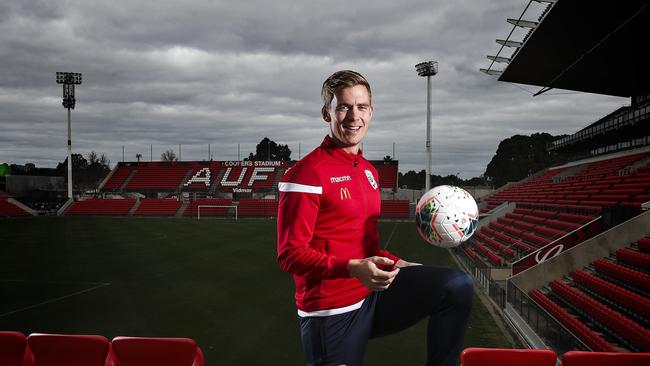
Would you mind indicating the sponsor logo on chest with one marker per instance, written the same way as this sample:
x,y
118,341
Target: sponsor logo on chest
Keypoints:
x,y
343,178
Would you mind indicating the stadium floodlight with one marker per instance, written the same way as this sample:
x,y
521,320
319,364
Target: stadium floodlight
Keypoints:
x,y
69,80
428,69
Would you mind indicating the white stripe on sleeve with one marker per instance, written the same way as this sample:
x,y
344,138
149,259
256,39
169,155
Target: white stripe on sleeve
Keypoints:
x,y
295,187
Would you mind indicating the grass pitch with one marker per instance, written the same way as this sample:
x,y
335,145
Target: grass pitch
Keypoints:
x,y
216,281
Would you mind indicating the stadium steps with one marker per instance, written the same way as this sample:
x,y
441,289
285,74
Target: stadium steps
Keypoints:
x,y
642,163
127,180
215,182
187,176
181,210
8,208
133,209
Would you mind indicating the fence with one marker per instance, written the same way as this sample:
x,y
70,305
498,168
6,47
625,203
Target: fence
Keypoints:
x,y
544,324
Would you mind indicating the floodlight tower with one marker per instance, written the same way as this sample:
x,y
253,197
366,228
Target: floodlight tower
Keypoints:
x,y
69,80
428,69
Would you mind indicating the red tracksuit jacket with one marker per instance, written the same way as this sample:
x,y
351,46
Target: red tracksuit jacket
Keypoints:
x,y
327,215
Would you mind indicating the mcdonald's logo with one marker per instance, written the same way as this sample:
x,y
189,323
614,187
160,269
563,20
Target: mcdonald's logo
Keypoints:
x,y
345,193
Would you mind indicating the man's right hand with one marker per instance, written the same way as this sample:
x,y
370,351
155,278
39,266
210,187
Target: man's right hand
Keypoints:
x,y
368,273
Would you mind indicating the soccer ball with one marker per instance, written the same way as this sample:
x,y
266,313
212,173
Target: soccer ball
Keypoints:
x,y
446,216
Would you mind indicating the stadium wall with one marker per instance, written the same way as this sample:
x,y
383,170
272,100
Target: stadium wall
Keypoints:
x,y
20,185
581,255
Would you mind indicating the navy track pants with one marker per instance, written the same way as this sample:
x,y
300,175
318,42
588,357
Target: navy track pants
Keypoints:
x,y
442,295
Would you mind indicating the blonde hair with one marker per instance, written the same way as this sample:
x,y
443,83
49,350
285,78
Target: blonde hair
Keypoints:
x,y
340,80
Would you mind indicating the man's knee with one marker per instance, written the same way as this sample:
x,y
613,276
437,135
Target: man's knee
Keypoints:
x,y
460,289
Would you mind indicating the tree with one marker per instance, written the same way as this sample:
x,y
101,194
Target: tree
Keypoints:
x,y
518,157
168,155
86,173
138,156
270,150
411,179
388,158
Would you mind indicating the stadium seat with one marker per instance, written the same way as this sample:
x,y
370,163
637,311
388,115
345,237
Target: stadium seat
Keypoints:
x,y
69,350
507,357
582,358
13,347
143,351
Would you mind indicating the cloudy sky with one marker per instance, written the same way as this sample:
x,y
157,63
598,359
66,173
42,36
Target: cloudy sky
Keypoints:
x,y
228,73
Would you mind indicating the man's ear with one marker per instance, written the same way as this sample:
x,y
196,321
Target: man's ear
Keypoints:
x,y
326,114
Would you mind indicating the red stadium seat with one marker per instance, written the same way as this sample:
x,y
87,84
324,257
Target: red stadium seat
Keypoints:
x,y
507,357
582,358
69,350
143,351
13,349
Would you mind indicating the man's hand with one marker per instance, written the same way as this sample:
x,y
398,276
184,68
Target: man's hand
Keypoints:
x,y
368,273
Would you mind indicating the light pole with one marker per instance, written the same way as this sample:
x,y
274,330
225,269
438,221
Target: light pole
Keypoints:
x,y
428,69
69,80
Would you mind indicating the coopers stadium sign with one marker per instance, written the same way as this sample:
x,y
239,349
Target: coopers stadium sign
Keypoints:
x,y
236,176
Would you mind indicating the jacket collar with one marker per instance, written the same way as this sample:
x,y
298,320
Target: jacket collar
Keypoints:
x,y
338,153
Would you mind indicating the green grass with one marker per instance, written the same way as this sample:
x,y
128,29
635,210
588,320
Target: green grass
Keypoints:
x,y
216,281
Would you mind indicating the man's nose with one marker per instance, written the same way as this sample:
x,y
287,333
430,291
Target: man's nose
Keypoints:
x,y
353,113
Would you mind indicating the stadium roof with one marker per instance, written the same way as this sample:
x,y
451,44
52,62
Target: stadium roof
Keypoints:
x,y
591,47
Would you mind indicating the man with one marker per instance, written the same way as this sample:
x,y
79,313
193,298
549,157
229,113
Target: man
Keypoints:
x,y
348,290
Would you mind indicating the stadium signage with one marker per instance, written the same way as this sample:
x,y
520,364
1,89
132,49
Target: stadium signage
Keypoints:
x,y
558,246
253,163
234,176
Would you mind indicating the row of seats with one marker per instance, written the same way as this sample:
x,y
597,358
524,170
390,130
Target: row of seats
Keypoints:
x,y
526,229
474,356
590,338
627,275
96,206
626,328
634,258
611,297
118,178
395,209
612,292
164,176
8,209
94,350
158,207
594,184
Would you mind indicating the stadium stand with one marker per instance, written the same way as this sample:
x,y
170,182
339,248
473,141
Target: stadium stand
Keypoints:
x,y
115,207
68,349
13,346
554,203
117,178
142,351
158,207
8,209
95,350
507,357
581,358
252,208
158,176
395,209
606,304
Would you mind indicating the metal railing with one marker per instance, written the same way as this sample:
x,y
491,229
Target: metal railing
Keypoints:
x,y
545,325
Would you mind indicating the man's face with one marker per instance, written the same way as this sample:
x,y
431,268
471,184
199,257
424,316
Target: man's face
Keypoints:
x,y
349,117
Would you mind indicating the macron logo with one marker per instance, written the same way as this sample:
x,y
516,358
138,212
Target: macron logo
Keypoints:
x,y
344,178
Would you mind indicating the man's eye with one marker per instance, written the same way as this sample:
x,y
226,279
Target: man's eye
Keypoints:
x,y
342,108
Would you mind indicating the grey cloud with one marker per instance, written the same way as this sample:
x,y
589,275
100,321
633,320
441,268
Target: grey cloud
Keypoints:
x,y
226,73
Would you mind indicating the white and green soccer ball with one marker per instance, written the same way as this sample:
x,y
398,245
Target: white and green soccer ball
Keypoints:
x,y
446,216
